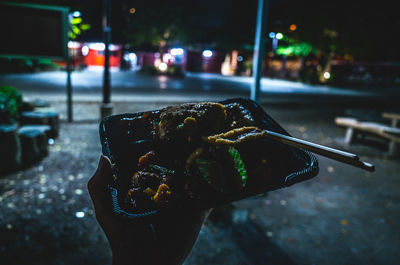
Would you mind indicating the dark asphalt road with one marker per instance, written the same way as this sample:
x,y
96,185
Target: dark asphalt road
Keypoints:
x,y
194,86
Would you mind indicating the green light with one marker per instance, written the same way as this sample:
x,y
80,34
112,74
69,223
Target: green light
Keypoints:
x,y
76,30
302,49
85,27
76,20
284,51
279,36
71,35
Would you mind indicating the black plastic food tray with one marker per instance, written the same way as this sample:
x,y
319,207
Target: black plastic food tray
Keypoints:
x,y
116,144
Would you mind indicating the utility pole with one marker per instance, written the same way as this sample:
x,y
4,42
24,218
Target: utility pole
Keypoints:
x,y
69,90
67,22
259,48
106,107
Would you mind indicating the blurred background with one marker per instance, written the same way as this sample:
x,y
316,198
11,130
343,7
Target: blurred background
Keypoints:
x,y
330,75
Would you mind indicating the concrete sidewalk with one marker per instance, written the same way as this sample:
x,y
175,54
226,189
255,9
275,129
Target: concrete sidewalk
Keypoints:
x,y
86,106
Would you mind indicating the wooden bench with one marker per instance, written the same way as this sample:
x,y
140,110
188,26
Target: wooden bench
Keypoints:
x,y
394,117
355,127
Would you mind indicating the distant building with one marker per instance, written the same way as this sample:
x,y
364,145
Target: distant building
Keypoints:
x,y
85,54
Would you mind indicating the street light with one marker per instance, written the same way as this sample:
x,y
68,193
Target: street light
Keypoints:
x,y
76,14
176,51
275,38
272,35
292,27
207,53
327,75
163,67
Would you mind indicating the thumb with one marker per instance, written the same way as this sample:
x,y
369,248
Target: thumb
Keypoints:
x,y
103,174
98,184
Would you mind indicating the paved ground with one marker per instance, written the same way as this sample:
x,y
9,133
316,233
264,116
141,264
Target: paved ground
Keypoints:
x,y
343,216
133,84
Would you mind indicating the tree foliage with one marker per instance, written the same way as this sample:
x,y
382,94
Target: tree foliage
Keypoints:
x,y
10,104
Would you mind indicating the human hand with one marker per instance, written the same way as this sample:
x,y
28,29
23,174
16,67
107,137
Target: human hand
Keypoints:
x,y
167,239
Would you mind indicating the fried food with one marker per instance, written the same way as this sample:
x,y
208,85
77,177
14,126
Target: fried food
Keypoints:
x,y
192,157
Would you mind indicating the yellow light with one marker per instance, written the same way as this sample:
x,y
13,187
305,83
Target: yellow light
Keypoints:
x,y
293,27
132,10
163,67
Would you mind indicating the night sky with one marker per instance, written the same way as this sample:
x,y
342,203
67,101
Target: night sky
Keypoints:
x,y
368,28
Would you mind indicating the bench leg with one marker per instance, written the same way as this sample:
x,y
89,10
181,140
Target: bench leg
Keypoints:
x,y
394,149
349,138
